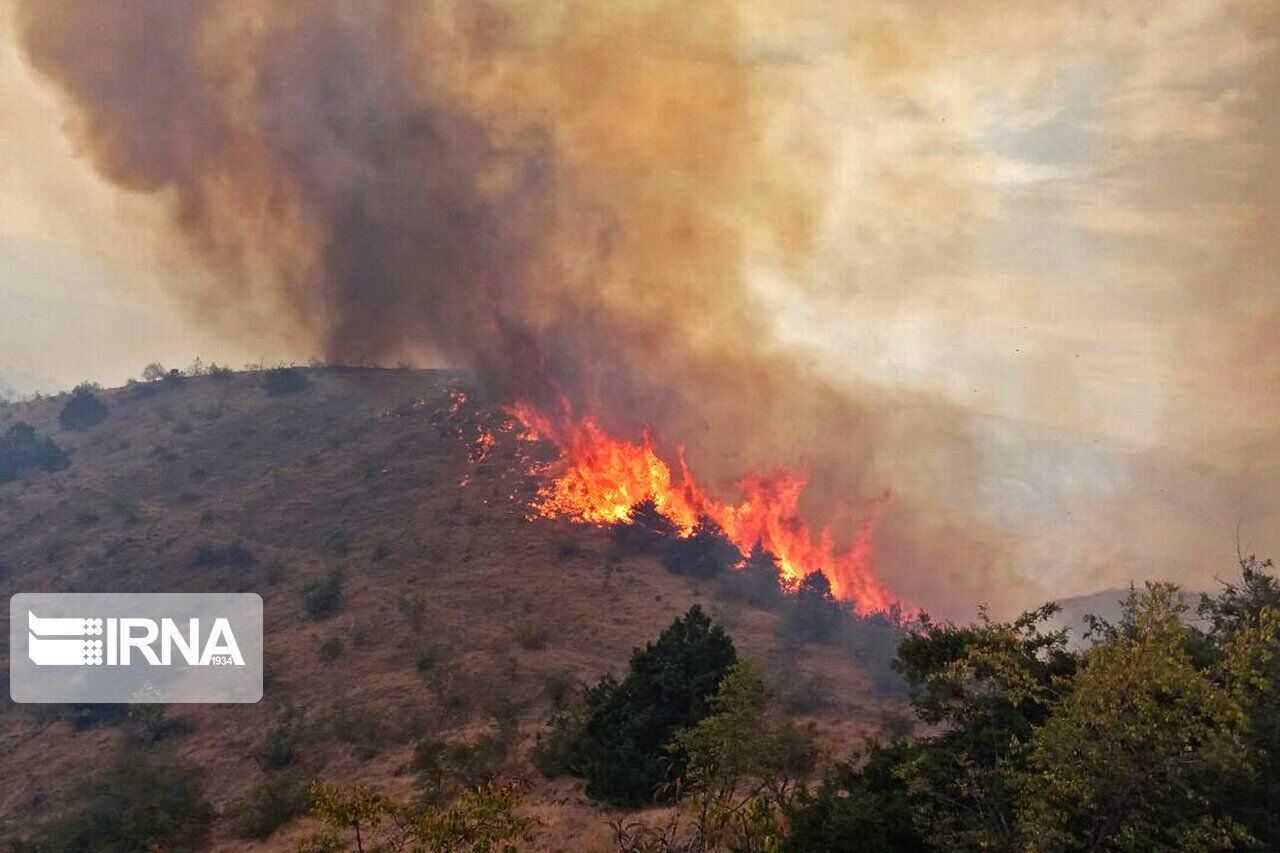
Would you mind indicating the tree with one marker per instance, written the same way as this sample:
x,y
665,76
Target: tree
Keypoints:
x,y
704,553
22,450
83,410
616,736
742,763
645,531
815,615
862,805
1130,758
759,580
988,686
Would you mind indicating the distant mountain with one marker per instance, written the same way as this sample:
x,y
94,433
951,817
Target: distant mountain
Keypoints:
x,y
1107,605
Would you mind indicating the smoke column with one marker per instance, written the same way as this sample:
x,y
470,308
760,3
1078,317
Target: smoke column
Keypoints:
x,y
661,211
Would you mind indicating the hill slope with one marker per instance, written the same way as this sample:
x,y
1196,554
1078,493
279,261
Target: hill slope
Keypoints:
x,y
453,602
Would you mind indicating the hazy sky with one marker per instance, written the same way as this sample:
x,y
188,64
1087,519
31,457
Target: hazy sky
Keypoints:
x,y
1057,219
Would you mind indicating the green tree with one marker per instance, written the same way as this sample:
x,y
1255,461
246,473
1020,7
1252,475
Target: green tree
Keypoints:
x,y
742,765
705,553
83,410
616,736
1130,758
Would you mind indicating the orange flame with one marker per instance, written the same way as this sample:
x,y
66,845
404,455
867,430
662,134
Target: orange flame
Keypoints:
x,y
602,478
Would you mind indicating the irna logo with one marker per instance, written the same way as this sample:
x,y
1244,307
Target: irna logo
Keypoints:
x,y
135,647
74,641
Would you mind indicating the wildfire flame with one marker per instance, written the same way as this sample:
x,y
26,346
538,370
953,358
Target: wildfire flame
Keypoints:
x,y
602,478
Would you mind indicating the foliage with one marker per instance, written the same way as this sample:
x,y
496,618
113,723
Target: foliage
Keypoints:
x,y
141,801
616,735
646,530
743,762
479,821
22,450
278,747
1129,758
758,581
322,595
1158,736
269,805
814,614
83,410
705,553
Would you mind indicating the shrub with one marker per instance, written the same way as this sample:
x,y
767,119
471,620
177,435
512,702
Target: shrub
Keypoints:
x,y
280,381
22,450
269,805
83,410
218,371
322,595
140,801
278,747
616,738
233,554
154,372
331,649
645,531
530,633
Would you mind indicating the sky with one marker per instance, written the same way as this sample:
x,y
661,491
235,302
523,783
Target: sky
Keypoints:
x,y
1051,227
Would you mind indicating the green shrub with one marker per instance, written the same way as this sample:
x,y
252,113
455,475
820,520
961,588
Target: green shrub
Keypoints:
x,y
322,595
83,410
233,554
269,805
617,737
141,801
530,633
330,649
279,746
22,450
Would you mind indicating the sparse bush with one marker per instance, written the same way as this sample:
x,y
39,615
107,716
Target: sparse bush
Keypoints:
x,y
218,371
140,801
357,726
22,450
278,747
269,805
280,381
331,649
322,595
83,410
705,553
381,550
567,549
559,687
530,633
337,543
645,532
233,554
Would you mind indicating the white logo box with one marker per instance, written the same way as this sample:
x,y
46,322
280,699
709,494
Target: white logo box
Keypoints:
x,y
135,647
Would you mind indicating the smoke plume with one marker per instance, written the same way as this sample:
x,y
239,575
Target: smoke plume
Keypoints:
x,y
782,233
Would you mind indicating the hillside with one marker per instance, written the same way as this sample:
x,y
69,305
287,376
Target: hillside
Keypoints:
x,y
453,602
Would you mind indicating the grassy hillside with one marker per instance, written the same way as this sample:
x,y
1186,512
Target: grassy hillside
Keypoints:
x,y
454,611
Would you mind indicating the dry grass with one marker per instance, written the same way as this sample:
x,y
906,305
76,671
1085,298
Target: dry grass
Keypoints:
x,y
349,474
